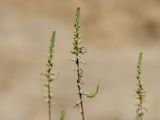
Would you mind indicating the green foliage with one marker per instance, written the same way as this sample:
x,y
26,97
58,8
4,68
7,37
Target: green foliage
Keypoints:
x,y
62,116
140,93
92,94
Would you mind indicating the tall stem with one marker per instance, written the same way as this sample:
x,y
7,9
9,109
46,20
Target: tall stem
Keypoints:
x,y
78,50
79,88
140,92
49,102
49,76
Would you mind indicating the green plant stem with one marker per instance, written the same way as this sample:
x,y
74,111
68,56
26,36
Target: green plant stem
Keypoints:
x,y
49,76
140,93
49,102
77,51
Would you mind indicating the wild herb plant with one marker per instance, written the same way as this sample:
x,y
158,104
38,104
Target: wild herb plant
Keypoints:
x,y
78,51
49,76
140,92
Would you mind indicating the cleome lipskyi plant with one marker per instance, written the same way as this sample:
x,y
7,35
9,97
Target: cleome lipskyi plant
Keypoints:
x,y
140,92
49,76
78,51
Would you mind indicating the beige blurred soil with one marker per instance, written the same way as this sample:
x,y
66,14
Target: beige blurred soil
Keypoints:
x,y
114,32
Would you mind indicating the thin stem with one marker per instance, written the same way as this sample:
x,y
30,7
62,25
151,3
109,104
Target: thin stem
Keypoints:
x,y
78,50
49,102
140,92
49,76
49,86
79,88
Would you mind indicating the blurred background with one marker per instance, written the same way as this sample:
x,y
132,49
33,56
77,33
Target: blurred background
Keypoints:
x,y
113,31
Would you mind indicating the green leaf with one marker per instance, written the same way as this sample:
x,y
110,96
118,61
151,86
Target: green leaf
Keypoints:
x,y
92,94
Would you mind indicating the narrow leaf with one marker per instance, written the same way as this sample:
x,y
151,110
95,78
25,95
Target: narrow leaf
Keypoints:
x,y
92,94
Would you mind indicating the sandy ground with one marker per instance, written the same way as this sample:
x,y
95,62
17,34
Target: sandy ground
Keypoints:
x,y
113,32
